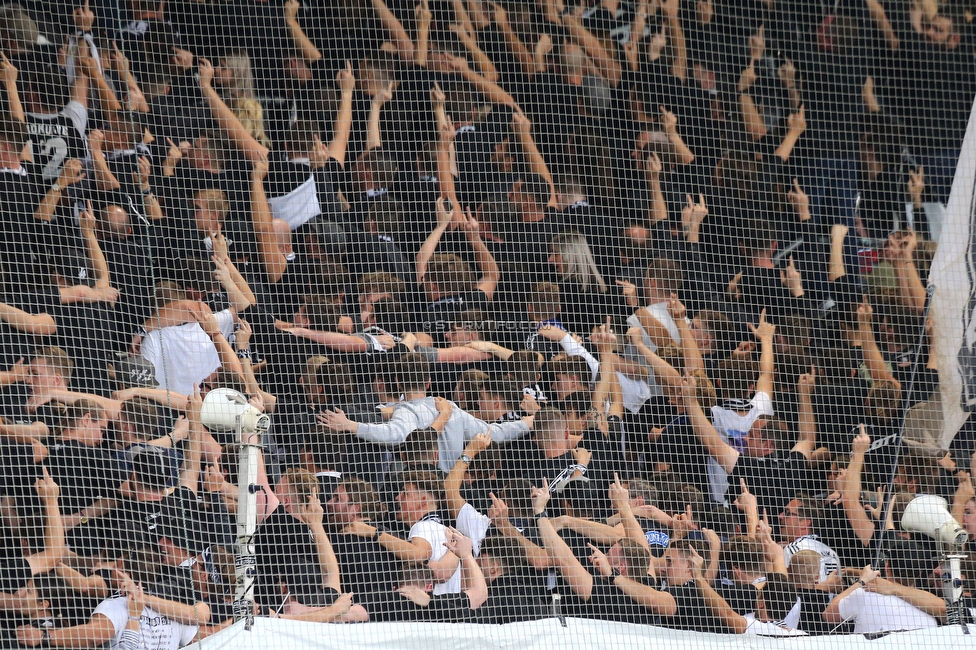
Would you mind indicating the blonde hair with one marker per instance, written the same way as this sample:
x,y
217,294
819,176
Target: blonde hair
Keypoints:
x,y
578,262
804,569
243,99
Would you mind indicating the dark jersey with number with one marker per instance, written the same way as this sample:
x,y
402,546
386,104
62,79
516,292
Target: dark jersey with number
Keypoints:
x,y
56,137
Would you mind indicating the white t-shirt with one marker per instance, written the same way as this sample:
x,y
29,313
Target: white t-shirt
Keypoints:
x,y
158,632
733,426
473,525
829,562
435,533
873,612
183,355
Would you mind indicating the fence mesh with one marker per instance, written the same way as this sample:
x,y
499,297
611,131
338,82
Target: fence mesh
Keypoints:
x,y
353,311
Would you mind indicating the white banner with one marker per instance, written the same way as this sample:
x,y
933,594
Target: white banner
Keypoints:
x,y
953,306
547,634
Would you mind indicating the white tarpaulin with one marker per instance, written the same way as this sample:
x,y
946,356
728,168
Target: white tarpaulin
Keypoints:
x,y
953,306
548,634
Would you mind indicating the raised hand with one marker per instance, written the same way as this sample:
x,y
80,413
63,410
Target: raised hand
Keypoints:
x,y
765,330
808,381
599,561
862,441
346,79
618,494
206,72
540,497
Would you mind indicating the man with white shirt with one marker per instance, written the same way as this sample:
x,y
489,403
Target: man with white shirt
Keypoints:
x,y
185,355
417,411
889,603
796,529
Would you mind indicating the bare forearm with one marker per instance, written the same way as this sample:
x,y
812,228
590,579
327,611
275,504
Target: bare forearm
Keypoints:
x,y
343,125
37,324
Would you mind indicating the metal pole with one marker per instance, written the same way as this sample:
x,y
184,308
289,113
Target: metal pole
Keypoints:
x,y
244,557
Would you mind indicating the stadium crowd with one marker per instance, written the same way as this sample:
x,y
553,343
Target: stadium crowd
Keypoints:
x,y
607,309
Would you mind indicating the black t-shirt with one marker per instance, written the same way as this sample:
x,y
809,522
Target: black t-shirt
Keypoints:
x,y
691,611
774,479
812,605
286,553
366,568
607,602
513,598
741,597
84,474
178,516
15,573
679,447
445,608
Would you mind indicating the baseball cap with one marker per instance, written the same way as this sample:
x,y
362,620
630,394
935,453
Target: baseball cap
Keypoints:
x,y
135,372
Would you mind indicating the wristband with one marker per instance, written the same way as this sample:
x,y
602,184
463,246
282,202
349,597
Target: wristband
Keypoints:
x,y
244,354
578,468
56,187
541,515
465,459
46,638
863,584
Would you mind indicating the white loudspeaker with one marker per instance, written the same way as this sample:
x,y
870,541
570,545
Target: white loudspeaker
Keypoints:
x,y
222,407
930,516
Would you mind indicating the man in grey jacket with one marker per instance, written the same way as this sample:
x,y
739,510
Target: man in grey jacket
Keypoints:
x,y
418,411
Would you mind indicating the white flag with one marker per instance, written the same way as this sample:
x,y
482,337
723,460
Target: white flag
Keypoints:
x,y
953,306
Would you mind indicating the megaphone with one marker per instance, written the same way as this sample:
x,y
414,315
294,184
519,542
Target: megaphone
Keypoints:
x,y
930,516
223,406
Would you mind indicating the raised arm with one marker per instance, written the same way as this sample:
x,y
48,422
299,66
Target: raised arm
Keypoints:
x,y
806,421
312,514
722,452
620,498
490,273
714,603
652,172
433,239
452,484
208,323
693,360
860,523
190,471
523,129
9,72
607,66
903,259
71,173
401,40
374,139
229,123
670,123
269,253
873,358
575,574
512,40
423,17
303,44
796,124
343,123
472,579
485,67
55,546
537,557
676,35
766,334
